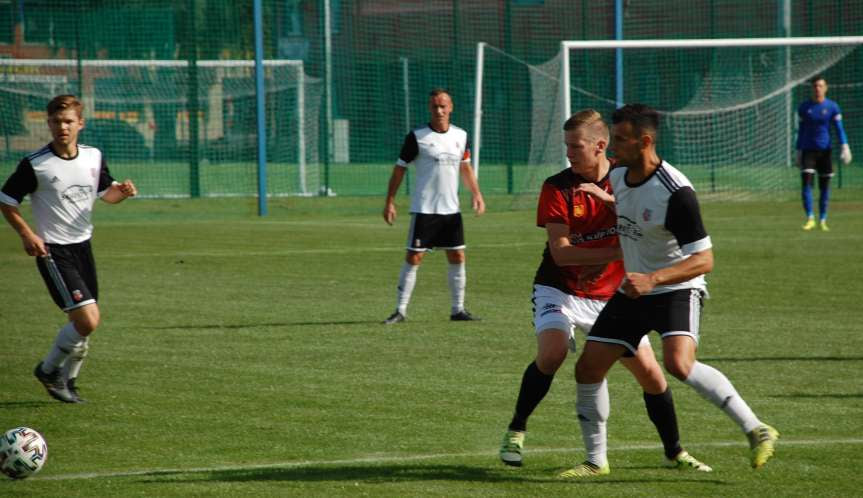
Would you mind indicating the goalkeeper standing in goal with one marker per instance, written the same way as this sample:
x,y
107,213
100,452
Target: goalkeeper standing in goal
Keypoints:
x,y
63,180
813,149
440,153
581,269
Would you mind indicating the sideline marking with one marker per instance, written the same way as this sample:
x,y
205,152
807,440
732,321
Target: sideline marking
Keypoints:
x,y
412,458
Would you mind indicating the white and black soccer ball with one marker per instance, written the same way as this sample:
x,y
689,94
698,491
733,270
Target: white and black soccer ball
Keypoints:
x,y
23,452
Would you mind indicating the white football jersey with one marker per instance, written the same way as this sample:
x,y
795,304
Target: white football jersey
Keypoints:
x,y
62,192
658,223
437,159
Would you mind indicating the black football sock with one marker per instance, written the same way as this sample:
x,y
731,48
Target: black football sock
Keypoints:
x,y
534,387
660,409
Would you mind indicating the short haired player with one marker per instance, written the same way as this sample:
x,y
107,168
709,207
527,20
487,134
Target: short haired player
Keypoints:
x,y
666,252
439,153
63,180
579,272
813,149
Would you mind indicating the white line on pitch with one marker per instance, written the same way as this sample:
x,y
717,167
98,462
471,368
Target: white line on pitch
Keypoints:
x,y
414,458
286,252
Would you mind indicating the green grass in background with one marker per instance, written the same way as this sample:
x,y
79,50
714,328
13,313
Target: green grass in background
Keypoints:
x,y
243,356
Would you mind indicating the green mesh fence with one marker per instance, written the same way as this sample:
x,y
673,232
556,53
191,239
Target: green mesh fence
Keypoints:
x,y
728,113
144,67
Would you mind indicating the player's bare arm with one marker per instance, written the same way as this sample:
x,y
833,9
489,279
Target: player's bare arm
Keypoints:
x,y
594,190
119,192
566,254
477,202
638,284
396,177
33,244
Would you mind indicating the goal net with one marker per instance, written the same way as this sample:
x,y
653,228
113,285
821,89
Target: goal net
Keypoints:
x,y
138,112
728,107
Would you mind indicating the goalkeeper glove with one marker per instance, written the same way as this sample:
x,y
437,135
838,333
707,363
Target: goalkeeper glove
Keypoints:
x,y
845,154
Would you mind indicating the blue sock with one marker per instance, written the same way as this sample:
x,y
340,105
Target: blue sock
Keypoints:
x,y
823,201
807,200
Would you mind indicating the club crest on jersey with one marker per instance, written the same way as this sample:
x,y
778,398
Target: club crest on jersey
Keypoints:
x,y
646,214
77,295
578,210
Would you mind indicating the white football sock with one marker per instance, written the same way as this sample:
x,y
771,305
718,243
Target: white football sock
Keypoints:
x,y
456,277
592,407
74,361
407,281
716,388
67,339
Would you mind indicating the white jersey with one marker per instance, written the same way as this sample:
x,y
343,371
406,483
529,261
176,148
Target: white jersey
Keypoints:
x,y
658,223
62,191
437,159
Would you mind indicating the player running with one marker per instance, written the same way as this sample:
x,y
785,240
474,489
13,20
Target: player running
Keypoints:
x,y
63,180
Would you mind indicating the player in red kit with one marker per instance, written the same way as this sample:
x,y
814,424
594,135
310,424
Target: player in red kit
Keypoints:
x,y
580,271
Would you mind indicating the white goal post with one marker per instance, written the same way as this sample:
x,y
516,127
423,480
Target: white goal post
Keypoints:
x,y
119,89
727,105
785,90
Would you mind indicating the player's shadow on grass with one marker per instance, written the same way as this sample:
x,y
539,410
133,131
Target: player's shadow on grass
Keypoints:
x,y
820,395
386,474
236,326
718,359
26,404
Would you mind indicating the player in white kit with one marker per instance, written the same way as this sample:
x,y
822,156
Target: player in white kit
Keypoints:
x,y
63,180
666,253
440,153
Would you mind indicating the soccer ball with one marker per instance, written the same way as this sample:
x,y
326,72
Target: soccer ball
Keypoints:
x,y
23,452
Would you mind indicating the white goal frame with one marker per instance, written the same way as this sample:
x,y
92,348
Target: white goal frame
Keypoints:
x,y
567,46
155,63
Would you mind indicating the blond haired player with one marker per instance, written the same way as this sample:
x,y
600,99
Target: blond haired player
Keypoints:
x,y
580,271
63,180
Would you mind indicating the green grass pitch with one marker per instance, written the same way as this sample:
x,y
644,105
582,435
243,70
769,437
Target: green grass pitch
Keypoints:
x,y
243,356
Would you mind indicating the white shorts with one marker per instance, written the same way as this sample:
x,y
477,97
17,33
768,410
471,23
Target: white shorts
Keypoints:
x,y
556,310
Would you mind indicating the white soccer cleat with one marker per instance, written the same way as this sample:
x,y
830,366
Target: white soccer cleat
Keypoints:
x,y
510,448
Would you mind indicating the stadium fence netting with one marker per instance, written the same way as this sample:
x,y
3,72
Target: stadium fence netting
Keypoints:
x,y
143,67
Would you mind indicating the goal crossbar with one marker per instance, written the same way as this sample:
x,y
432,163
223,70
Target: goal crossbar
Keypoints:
x,y
144,63
10,67
716,42
567,45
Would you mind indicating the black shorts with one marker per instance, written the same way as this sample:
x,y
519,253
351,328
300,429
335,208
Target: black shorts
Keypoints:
x,y
625,321
70,275
819,161
428,231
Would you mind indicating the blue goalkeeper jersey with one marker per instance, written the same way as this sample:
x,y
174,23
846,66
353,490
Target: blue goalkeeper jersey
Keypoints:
x,y
815,119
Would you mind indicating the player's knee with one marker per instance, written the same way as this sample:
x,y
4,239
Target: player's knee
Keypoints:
x,y
414,257
86,323
652,381
678,367
586,372
548,362
455,256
